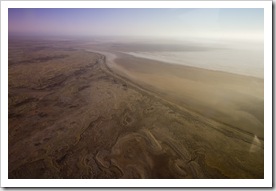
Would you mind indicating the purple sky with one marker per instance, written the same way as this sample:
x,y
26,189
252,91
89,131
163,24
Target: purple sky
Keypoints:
x,y
228,23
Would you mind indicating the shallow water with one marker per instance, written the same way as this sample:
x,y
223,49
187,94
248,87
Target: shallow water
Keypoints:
x,y
239,61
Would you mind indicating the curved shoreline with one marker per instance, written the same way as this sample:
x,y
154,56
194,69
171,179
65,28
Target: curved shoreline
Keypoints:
x,y
81,118
224,128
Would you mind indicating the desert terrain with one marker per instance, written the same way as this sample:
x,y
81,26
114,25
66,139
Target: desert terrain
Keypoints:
x,y
80,110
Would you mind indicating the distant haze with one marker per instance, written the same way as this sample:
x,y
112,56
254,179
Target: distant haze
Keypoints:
x,y
225,23
227,39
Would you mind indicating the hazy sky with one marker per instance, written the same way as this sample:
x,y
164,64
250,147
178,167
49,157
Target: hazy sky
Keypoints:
x,y
204,23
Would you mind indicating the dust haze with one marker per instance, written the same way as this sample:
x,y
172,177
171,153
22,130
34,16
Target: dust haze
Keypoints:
x,y
132,108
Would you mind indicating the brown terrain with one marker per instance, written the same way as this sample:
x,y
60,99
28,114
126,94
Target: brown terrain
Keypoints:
x,y
76,113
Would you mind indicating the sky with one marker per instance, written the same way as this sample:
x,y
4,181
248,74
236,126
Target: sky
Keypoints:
x,y
230,23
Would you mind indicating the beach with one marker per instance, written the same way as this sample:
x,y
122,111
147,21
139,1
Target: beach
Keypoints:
x,y
236,100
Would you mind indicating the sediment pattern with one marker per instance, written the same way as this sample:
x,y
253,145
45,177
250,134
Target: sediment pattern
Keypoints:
x,y
73,117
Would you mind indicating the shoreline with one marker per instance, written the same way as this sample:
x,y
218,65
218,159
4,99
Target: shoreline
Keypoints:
x,y
171,57
84,109
221,126
164,61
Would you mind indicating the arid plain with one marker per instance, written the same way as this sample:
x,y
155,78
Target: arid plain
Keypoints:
x,y
80,110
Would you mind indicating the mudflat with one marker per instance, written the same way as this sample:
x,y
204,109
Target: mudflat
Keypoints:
x,y
72,115
233,99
